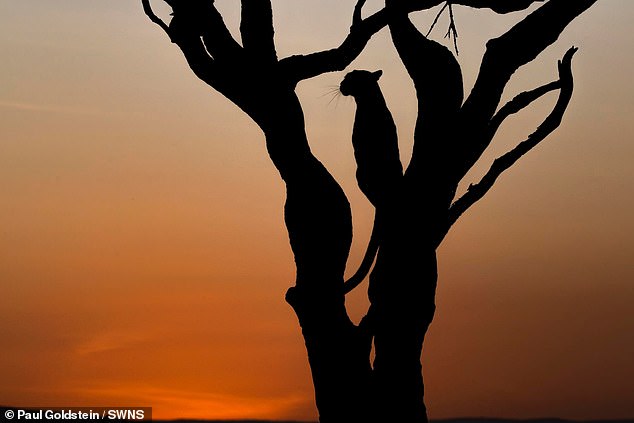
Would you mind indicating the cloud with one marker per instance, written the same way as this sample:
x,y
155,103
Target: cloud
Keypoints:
x,y
172,403
42,108
108,341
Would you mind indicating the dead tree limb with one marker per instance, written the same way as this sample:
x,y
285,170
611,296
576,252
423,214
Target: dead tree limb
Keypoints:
x,y
505,55
519,103
503,163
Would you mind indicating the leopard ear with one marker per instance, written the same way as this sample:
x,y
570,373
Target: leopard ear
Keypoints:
x,y
377,74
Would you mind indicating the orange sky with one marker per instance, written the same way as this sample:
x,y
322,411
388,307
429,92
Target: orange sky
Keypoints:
x,y
143,257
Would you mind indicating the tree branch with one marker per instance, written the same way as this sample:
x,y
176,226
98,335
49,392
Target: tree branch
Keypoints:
x,y
357,17
300,67
452,31
520,45
504,55
519,103
432,67
196,55
256,29
202,18
437,78
501,164
218,40
438,15
147,8
498,6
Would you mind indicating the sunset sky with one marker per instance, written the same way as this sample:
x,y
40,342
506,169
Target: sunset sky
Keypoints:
x,y
144,260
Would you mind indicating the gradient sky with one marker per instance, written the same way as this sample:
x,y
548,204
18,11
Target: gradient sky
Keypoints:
x,y
144,261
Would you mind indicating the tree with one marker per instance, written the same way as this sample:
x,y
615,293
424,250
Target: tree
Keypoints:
x,y
450,136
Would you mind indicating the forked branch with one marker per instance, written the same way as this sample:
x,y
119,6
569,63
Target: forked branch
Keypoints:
x,y
452,32
256,29
501,164
300,67
197,57
519,103
517,47
357,16
201,18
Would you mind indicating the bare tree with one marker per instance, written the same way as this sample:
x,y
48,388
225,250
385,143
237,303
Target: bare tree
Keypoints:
x,y
451,134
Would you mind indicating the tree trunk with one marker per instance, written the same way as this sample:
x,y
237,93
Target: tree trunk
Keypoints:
x,y
319,223
338,354
348,387
400,325
402,290
402,293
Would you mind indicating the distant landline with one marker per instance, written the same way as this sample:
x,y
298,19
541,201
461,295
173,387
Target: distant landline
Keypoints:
x,y
458,420
3,419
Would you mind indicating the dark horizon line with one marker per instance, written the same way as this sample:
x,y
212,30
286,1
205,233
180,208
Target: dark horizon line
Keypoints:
x,y
443,420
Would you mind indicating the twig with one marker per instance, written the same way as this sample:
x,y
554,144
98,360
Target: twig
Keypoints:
x,y
436,19
452,31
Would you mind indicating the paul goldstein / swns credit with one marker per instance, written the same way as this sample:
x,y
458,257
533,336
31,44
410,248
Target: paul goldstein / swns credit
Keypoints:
x,y
101,413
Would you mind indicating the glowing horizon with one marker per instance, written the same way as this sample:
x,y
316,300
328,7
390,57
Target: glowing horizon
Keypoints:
x,y
144,259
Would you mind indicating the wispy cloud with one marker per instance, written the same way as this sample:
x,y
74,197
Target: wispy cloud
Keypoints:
x,y
47,108
108,341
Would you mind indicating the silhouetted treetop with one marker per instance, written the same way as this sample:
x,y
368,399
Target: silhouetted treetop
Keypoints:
x,y
415,207
200,18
